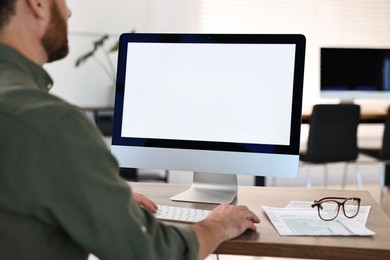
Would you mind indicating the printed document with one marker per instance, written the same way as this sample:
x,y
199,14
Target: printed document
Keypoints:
x,y
299,219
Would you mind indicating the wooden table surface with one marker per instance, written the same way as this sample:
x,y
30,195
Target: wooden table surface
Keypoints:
x,y
266,241
368,113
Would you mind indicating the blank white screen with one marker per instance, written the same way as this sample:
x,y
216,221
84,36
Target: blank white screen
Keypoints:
x,y
239,93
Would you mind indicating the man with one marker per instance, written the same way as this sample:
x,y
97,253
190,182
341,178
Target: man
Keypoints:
x,y
61,196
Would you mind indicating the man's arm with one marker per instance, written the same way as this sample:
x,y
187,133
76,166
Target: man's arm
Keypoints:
x,y
95,209
81,194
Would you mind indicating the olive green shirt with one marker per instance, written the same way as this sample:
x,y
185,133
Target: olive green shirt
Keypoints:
x,y
61,196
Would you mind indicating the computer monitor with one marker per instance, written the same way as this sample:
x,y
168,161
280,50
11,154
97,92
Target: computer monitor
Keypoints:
x,y
214,104
355,73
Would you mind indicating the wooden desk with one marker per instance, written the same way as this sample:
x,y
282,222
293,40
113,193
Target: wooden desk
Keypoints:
x,y
368,113
368,117
267,241
364,117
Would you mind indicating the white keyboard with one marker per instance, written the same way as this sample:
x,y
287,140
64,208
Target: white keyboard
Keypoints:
x,y
181,214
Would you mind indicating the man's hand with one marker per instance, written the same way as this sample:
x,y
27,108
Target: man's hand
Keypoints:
x,y
223,223
234,219
145,202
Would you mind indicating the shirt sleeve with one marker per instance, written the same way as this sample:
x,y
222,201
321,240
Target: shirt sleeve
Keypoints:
x,y
80,190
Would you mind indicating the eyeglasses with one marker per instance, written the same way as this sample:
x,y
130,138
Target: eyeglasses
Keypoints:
x,y
329,207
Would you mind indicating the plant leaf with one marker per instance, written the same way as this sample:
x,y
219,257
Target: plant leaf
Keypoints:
x,y
98,43
114,47
84,58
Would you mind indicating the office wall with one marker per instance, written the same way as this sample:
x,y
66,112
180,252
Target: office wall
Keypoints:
x,y
325,23
89,85
353,23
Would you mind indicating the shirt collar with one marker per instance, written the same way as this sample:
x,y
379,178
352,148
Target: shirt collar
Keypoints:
x,y
34,71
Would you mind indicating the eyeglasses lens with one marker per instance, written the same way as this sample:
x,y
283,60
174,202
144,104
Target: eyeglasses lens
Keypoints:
x,y
351,208
329,210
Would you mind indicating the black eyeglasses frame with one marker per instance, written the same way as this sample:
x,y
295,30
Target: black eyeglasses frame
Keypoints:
x,y
317,203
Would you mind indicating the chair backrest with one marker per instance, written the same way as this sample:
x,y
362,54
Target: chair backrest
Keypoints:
x,y
333,133
385,151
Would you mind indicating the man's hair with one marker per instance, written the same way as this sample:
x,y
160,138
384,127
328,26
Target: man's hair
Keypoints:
x,y
7,9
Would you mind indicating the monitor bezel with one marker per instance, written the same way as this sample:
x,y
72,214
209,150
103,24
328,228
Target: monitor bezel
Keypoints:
x,y
292,149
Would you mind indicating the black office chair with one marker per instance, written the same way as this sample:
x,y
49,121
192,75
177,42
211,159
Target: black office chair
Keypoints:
x,y
382,154
332,138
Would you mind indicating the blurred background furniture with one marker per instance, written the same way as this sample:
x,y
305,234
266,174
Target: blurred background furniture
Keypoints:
x,y
104,121
332,138
139,175
382,154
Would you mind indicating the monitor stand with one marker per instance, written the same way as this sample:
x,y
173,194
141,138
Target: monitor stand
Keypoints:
x,y
210,188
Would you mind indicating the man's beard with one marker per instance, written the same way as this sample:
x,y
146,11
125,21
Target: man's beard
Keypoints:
x,y
55,40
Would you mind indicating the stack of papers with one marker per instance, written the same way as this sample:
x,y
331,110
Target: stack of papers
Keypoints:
x,y
298,218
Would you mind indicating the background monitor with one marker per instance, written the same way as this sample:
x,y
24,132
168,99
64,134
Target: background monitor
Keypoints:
x,y
214,104
355,73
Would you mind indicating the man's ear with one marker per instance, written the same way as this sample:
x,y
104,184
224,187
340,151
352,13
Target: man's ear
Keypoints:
x,y
38,7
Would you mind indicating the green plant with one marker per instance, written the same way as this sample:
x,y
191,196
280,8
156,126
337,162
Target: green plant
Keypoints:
x,y
100,46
